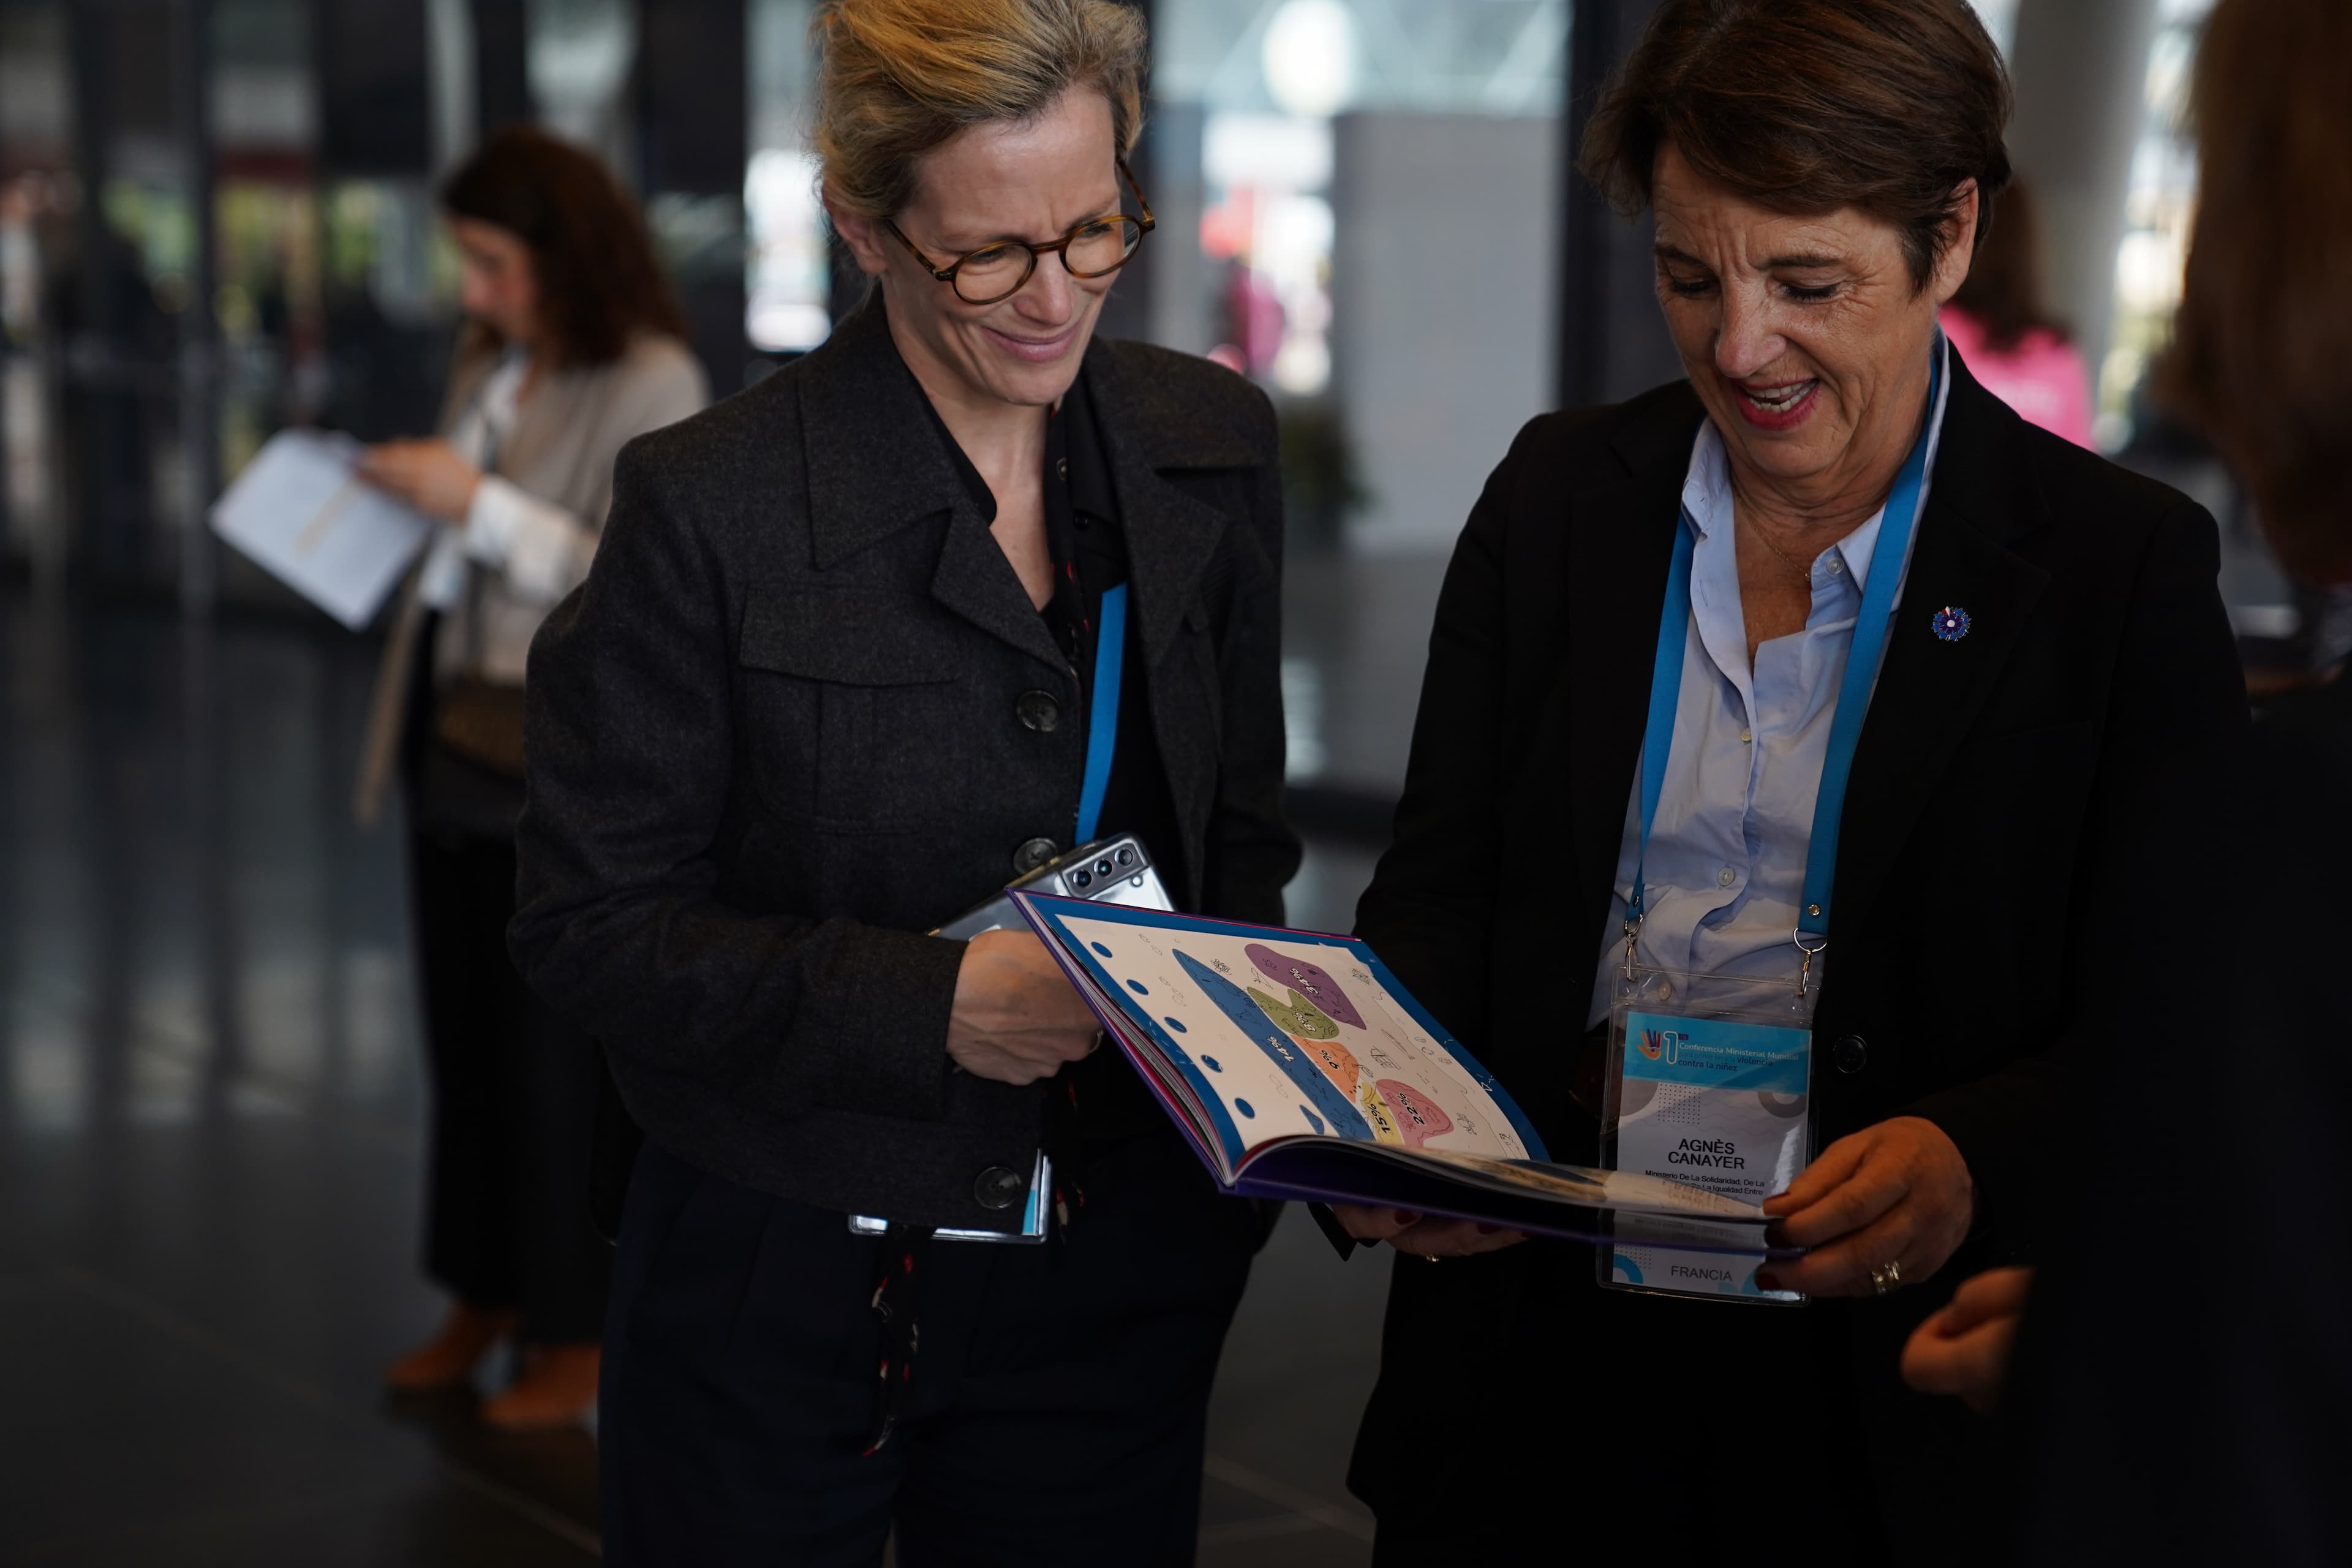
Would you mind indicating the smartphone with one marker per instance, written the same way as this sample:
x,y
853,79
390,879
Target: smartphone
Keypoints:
x,y
1116,870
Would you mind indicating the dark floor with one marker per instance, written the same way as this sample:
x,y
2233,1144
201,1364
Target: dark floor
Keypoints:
x,y
209,1146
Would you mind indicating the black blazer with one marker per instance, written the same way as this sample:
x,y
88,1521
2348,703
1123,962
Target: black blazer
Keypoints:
x,y
2015,838
774,739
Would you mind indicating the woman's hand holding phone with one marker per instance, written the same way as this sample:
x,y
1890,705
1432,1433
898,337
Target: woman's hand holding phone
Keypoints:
x,y
1015,1017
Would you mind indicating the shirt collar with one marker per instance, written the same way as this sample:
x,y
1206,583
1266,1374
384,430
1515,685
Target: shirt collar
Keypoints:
x,y
501,401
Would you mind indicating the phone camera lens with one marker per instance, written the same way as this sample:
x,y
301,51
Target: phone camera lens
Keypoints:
x,y
1081,879
1127,856
1102,866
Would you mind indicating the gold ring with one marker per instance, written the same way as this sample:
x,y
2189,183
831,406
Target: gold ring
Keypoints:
x,y
1883,1280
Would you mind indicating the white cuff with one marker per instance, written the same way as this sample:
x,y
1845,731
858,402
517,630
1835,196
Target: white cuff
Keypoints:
x,y
541,549
492,517
444,580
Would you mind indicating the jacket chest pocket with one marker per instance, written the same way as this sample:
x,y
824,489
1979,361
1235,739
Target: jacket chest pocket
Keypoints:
x,y
838,691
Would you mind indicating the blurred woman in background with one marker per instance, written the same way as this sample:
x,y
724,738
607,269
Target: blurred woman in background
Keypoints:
x,y
2002,329
573,347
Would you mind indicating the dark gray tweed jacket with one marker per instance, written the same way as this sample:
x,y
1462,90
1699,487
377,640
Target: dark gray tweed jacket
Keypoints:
x,y
773,740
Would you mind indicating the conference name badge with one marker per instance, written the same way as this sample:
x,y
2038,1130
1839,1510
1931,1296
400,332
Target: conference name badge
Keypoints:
x,y
1711,1087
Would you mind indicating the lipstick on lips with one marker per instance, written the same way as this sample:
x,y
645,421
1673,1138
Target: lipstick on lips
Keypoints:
x,y
1036,351
1782,406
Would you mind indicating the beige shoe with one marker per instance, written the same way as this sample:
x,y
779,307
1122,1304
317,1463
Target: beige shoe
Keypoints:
x,y
557,1388
448,1358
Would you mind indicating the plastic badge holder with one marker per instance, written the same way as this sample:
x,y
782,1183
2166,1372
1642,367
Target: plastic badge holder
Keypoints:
x,y
1693,1038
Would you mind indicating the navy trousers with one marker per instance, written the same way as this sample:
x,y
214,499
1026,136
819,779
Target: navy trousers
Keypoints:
x,y
1059,1397
514,1107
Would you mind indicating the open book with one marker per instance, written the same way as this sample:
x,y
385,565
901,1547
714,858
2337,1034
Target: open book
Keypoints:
x,y
1298,1068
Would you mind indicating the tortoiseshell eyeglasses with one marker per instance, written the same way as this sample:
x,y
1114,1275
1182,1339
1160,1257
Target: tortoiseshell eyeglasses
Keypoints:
x,y
1095,248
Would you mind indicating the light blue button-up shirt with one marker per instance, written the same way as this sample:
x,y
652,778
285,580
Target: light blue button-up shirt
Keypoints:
x,y
1726,863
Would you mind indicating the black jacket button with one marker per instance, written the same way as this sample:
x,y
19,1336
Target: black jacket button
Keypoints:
x,y
1038,710
1853,1054
1034,854
997,1188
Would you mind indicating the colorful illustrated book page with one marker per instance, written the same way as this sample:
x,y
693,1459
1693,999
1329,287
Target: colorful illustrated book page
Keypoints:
x,y
1298,1068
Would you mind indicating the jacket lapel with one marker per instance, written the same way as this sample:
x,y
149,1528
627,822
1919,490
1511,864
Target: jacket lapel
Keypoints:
x,y
1618,549
876,463
1170,534
1980,500
976,582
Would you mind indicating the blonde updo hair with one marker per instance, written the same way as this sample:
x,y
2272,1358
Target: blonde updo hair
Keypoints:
x,y
897,79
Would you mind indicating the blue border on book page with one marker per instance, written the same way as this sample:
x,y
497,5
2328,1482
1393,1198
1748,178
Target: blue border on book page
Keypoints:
x,y
1049,906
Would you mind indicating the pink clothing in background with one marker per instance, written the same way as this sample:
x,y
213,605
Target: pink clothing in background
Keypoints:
x,y
2042,377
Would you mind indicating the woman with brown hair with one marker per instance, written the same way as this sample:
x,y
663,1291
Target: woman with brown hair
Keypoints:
x,y
1863,716
573,347
903,1253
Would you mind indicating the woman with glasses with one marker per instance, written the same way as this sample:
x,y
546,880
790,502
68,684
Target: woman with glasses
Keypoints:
x,y
835,679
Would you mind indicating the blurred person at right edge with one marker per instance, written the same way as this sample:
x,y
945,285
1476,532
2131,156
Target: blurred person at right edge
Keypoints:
x,y
2000,325
2183,1369
1656,651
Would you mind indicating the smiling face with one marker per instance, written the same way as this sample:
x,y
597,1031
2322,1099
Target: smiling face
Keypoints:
x,y
1031,180
1803,336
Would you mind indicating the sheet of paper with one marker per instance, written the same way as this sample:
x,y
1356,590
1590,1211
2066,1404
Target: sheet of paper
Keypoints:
x,y
1286,1033
301,512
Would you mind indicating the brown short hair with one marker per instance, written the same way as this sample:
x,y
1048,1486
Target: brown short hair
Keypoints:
x,y
2261,352
1810,106
900,77
599,283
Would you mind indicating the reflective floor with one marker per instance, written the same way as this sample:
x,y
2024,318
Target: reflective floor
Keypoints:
x,y
209,1154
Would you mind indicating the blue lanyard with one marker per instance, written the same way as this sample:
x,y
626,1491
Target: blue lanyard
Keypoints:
x,y
1864,656
1102,717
